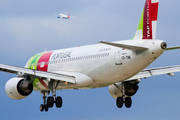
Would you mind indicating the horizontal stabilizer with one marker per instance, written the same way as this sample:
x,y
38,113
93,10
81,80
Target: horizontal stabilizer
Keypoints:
x,y
132,47
173,48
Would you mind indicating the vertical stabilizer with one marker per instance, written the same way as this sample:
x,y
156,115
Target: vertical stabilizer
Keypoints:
x,y
148,22
69,15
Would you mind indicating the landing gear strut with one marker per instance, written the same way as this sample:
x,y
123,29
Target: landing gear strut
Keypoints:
x,y
44,106
52,99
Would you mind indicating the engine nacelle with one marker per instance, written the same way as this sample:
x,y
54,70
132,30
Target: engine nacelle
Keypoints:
x,y
129,89
18,88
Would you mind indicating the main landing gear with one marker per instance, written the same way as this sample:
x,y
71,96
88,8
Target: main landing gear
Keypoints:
x,y
123,99
49,103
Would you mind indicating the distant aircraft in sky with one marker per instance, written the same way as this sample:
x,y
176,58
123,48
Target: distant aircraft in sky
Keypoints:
x,y
63,16
119,65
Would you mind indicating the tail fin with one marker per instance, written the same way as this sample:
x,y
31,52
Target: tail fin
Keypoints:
x,y
148,22
69,15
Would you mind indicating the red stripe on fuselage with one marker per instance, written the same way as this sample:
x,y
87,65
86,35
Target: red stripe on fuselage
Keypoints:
x,y
43,65
43,61
43,83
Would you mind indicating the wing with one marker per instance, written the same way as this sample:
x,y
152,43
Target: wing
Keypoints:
x,y
39,74
156,71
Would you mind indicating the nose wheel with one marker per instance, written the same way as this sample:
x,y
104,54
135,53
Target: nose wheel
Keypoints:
x,y
44,106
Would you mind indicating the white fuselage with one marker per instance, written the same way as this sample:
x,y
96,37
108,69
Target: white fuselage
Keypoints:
x,y
104,64
63,16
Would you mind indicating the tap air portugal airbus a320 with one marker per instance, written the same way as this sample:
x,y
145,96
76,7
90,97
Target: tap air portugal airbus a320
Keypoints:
x,y
63,16
119,65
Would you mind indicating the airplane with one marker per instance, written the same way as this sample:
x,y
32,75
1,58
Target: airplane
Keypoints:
x,y
119,65
64,16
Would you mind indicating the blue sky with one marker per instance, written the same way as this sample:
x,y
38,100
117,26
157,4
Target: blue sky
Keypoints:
x,y
29,27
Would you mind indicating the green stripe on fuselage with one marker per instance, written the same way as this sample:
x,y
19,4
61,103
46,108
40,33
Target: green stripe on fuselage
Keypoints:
x,y
33,63
34,83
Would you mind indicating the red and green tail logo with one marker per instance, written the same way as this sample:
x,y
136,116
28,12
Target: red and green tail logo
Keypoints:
x,y
148,22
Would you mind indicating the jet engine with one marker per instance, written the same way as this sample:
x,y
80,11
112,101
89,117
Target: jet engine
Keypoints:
x,y
129,89
18,88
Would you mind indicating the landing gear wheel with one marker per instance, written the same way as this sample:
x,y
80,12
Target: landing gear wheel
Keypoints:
x,y
128,102
46,107
41,107
50,102
58,102
119,102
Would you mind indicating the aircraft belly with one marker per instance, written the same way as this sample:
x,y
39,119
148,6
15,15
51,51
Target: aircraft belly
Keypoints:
x,y
40,84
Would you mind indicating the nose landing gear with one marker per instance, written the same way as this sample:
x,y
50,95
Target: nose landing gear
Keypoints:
x,y
44,106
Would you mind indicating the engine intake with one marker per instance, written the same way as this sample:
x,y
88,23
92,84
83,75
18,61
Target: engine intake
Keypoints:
x,y
24,88
131,89
18,88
